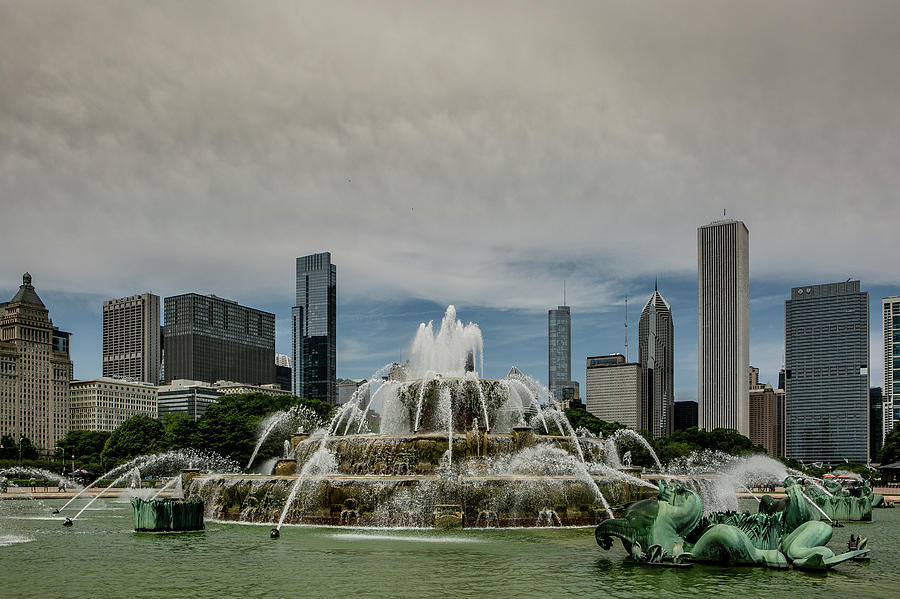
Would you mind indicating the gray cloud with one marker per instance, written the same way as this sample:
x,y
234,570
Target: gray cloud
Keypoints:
x,y
473,153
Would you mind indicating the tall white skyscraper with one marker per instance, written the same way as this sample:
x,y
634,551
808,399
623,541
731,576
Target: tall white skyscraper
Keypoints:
x,y
723,326
890,311
131,338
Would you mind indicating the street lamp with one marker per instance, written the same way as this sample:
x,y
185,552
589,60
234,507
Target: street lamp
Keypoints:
x,y
21,439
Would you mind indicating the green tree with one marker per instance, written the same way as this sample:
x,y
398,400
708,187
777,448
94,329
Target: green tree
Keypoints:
x,y
890,451
179,431
579,418
230,426
136,436
9,450
27,451
84,446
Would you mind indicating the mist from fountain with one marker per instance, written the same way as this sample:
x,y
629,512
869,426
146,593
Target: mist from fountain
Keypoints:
x,y
171,462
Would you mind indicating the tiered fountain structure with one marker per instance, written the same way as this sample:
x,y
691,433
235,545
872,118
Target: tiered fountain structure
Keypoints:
x,y
450,449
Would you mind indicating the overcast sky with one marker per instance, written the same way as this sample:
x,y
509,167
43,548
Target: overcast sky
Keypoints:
x,y
476,153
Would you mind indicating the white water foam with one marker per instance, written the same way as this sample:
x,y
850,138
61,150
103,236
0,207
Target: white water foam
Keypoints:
x,y
422,539
7,540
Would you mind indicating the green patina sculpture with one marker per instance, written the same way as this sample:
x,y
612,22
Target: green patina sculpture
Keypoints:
x,y
844,503
670,528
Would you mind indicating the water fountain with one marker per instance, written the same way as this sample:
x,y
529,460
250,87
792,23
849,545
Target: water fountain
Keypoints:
x,y
450,448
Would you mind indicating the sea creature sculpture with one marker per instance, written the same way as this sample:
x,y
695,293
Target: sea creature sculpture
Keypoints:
x,y
671,527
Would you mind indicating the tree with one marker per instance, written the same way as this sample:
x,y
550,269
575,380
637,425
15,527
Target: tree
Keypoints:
x,y
86,446
136,436
583,419
179,431
9,450
890,451
229,427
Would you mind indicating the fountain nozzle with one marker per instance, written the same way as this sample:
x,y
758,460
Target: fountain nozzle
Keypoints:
x,y
274,534
68,522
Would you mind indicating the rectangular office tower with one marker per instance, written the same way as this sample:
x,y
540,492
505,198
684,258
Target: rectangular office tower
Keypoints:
x,y
723,326
890,312
613,390
559,351
210,338
656,354
826,338
314,329
131,338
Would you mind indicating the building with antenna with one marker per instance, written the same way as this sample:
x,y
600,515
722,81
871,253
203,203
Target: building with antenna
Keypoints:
x,y
656,349
559,353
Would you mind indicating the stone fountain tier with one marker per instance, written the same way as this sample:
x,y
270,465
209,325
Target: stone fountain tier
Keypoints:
x,y
414,500
471,399
422,453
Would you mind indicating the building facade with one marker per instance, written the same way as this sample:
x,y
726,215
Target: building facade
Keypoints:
x,y
826,334
35,371
767,419
314,329
613,390
210,338
876,414
656,349
559,351
186,397
890,388
132,346
102,404
283,371
685,414
723,326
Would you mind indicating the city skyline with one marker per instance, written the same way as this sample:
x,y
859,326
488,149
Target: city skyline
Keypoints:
x,y
473,155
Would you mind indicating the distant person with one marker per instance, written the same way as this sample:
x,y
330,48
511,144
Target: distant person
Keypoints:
x,y
61,487
32,482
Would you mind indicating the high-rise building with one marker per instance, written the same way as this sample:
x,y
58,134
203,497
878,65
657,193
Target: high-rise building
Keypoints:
x,y
559,351
131,338
210,338
283,371
314,328
102,404
826,338
767,419
685,414
723,325
613,390
35,371
876,414
656,349
890,389
186,397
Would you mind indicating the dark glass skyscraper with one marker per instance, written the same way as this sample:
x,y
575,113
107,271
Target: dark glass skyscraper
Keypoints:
x,y
826,335
656,345
210,338
314,329
559,351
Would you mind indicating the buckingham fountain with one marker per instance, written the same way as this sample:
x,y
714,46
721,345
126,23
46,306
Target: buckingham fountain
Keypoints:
x,y
450,449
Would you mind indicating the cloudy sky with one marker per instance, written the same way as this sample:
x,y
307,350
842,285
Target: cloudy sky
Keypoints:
x,y
475,153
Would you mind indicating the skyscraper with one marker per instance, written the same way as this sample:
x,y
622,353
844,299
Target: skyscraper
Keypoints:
x,y
314,329
613,390
131,338
210,338
826,338
723,326
35,371
656,348
559,351
890,312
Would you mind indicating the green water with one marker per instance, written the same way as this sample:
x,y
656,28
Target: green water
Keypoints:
x,y
101,557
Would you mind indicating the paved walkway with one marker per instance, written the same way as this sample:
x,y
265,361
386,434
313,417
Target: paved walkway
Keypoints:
x,y
52,493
